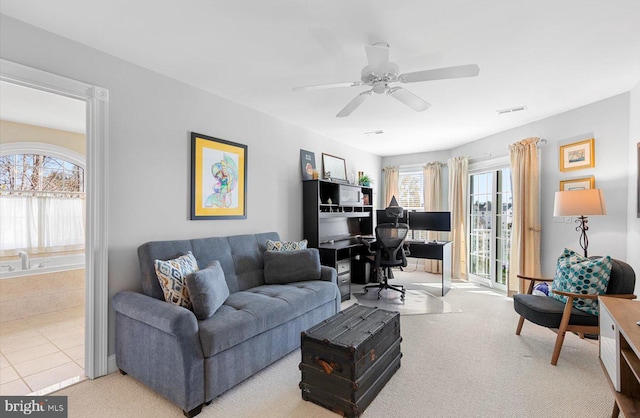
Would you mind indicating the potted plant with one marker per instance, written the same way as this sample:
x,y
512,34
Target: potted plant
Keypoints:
x,y
365,180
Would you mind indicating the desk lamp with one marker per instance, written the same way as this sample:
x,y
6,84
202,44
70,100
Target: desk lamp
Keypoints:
x,y
580,203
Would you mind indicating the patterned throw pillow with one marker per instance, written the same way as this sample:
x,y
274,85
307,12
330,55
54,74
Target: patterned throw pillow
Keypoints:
x,y
577,274
286,245
171,275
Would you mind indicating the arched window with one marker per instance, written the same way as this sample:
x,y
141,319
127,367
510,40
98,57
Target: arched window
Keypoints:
x,y
42,203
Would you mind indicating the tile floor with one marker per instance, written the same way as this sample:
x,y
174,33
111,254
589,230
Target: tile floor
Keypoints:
x,y
42,353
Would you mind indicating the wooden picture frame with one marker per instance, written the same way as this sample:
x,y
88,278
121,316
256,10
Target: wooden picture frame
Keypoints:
x,y
578,184
218,178
578,155
334,168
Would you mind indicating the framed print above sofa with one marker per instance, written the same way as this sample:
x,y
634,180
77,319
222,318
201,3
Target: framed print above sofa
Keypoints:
x,y
218,178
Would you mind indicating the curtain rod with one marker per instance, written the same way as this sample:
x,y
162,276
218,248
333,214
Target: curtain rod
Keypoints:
x,y
541,142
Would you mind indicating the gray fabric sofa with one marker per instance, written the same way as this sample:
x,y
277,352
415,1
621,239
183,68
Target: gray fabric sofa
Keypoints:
x,y
189,361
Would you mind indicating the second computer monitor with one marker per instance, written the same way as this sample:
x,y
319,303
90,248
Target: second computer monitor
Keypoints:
x,y
430,221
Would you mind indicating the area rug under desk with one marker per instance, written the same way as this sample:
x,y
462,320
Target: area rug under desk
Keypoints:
x,y
417,302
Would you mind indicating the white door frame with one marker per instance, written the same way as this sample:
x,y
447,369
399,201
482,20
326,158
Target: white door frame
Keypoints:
x,y
96,242
479,168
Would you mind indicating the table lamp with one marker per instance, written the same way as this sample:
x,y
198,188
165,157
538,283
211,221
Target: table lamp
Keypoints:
x,y
580,203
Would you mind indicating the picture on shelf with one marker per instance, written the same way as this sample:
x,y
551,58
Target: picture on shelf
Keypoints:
x,y
307,164
334,168
218,178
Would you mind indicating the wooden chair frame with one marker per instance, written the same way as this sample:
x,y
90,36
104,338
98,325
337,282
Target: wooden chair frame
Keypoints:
x,y
566,315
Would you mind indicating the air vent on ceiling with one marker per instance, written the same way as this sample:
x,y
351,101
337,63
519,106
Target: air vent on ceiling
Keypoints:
x,y
378,132
511,110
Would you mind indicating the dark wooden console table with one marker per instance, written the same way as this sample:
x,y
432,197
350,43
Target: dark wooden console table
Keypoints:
x,y
440,250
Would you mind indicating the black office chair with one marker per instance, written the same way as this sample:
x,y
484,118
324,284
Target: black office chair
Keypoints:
x,y
389,253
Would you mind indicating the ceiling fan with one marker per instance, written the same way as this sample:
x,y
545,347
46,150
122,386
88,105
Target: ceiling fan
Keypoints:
x,y
380,73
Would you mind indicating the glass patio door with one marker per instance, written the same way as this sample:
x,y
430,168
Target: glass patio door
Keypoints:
x,y
490,219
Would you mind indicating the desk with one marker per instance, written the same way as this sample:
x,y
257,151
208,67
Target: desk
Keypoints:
x,y
620,352
340,255
440,250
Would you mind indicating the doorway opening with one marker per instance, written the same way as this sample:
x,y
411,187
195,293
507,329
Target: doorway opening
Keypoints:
x,y
42,224
78,198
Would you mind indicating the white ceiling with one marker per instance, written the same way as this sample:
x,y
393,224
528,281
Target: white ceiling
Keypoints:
x,y
40,108
548,55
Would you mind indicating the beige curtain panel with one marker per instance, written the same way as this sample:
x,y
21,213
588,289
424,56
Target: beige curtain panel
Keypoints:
x,y
432,174
525,232
458,180
391,182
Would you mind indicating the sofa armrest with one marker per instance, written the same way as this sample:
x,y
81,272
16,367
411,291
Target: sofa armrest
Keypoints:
x,y
328,274
158,344
166,317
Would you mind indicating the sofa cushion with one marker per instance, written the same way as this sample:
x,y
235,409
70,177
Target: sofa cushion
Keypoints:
x,y
547,311
578,274
249,313
207,290
291,266
171,275
286,245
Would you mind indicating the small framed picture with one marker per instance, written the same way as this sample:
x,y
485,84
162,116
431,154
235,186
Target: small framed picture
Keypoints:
x,y
578,184
577,155
334,168
308,164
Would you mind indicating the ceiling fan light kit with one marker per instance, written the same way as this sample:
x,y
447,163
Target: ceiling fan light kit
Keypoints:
x,y
379,73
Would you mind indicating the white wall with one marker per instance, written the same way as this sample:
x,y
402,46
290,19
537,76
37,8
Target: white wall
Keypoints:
x,y
633,221
150,120
608,122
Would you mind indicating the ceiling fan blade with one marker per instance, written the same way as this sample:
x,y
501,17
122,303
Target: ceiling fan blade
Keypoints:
x,y
353,104
470,70
378,57
328,86
410,99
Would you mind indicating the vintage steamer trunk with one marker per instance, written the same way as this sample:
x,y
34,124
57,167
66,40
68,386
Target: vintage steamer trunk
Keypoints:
x,y
348,358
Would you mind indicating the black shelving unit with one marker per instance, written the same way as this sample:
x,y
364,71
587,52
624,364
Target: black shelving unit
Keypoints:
x,y
334,215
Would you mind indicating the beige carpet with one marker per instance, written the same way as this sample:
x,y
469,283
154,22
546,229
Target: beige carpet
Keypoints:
x,y
467,364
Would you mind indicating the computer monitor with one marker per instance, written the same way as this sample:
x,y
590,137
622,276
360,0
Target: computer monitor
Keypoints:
x,y
430,221
383,218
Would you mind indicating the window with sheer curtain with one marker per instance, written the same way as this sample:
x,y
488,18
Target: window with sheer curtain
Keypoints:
x,y
411,194
42,203
411,189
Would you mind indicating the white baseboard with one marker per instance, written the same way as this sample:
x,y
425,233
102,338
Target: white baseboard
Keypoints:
x,y
111,364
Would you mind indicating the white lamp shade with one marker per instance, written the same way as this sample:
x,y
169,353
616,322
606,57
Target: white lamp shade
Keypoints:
x,y
579,203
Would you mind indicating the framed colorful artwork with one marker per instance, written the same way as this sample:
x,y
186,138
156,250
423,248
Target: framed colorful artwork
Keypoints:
x,y
578,155
218,178
578,184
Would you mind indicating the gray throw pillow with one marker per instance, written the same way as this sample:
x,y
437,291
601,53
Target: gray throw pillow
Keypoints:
x,y
291,266
207,289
